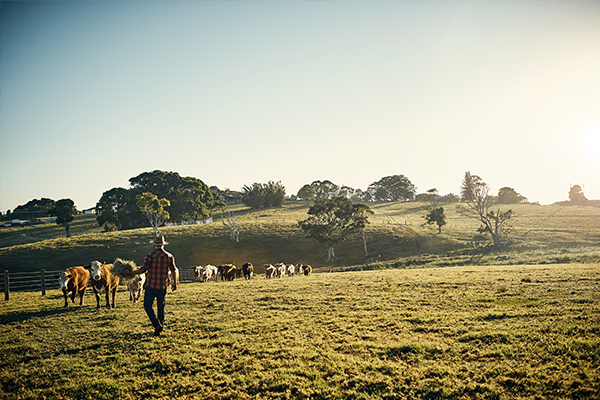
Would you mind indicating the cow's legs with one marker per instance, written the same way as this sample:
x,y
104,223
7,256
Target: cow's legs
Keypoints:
x,y
97,298
108,298
114,293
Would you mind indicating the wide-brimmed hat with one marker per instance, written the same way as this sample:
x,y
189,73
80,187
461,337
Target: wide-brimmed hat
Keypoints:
x,y
159,241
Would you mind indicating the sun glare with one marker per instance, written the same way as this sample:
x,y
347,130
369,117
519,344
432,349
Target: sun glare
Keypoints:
x,y
591,144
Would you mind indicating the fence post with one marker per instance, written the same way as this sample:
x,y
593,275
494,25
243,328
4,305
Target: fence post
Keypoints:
x,y
6,290
43,282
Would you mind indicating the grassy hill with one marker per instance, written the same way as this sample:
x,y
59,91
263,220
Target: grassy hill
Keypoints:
x,y
396,237
490,332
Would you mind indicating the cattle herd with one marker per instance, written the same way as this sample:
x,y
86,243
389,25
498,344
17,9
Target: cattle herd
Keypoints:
x,y
228,272
104,281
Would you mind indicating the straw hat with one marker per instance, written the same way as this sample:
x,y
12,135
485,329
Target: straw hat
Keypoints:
x,y
159,241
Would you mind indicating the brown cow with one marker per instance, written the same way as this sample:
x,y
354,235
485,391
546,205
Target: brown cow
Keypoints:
x,y
307,270
103,281
248,270
227,272
269,271
73,280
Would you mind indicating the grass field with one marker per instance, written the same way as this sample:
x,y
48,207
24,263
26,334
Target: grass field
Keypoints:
x,y
485,332
396,237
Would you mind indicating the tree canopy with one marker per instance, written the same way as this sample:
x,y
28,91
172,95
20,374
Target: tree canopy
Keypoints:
x,y
392,188
153,208
576,195
34,208
263,195
325,189
189,199
117,208
64,210
306,193
335,220
507,195
435,214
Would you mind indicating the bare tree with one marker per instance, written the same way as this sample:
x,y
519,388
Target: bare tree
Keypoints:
x,y
231,221
477,200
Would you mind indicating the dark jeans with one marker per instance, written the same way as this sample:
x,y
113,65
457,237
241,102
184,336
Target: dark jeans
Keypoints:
x,y
149,295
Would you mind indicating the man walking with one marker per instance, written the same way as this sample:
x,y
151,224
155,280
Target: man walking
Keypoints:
x,y
157,266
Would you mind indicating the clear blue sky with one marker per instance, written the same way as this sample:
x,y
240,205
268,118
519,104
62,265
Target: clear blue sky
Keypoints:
x,y
94,93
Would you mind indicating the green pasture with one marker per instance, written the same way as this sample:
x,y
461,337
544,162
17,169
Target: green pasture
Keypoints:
x,y
471,332
396,237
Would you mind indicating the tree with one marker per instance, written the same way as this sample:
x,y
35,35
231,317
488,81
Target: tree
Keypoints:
x,y
259,195
451,198
190,198
325,189
576,195
64,210
335,220
508,195
435,214
392,188
475,193
153,208
117,207
360,195
233,223
34,208
346,191
307,193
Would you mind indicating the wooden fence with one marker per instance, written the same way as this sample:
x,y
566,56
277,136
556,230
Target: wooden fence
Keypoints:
x,y
46,280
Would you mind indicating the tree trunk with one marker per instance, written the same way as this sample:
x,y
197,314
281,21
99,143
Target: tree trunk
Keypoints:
x,y
67,228
364,238
330,253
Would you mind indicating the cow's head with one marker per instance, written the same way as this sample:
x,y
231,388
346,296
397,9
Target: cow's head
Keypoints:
x,y
63,280
95,270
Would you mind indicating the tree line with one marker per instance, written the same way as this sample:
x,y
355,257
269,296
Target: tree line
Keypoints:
x,y
156,197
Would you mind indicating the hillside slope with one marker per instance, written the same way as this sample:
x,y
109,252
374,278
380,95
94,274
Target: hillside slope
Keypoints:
x,y
269,236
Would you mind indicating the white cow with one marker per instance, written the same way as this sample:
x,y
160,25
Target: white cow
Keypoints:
x,y
199,273
211,272
290,269
280,270
206,273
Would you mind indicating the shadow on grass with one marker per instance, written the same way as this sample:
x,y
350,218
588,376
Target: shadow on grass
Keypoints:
x,y
13,317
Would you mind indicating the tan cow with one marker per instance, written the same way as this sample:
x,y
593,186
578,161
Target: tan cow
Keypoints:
x,y
103,281
170,278
73,280
135,286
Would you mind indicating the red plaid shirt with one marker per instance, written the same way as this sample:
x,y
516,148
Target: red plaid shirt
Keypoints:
x,y
156,265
